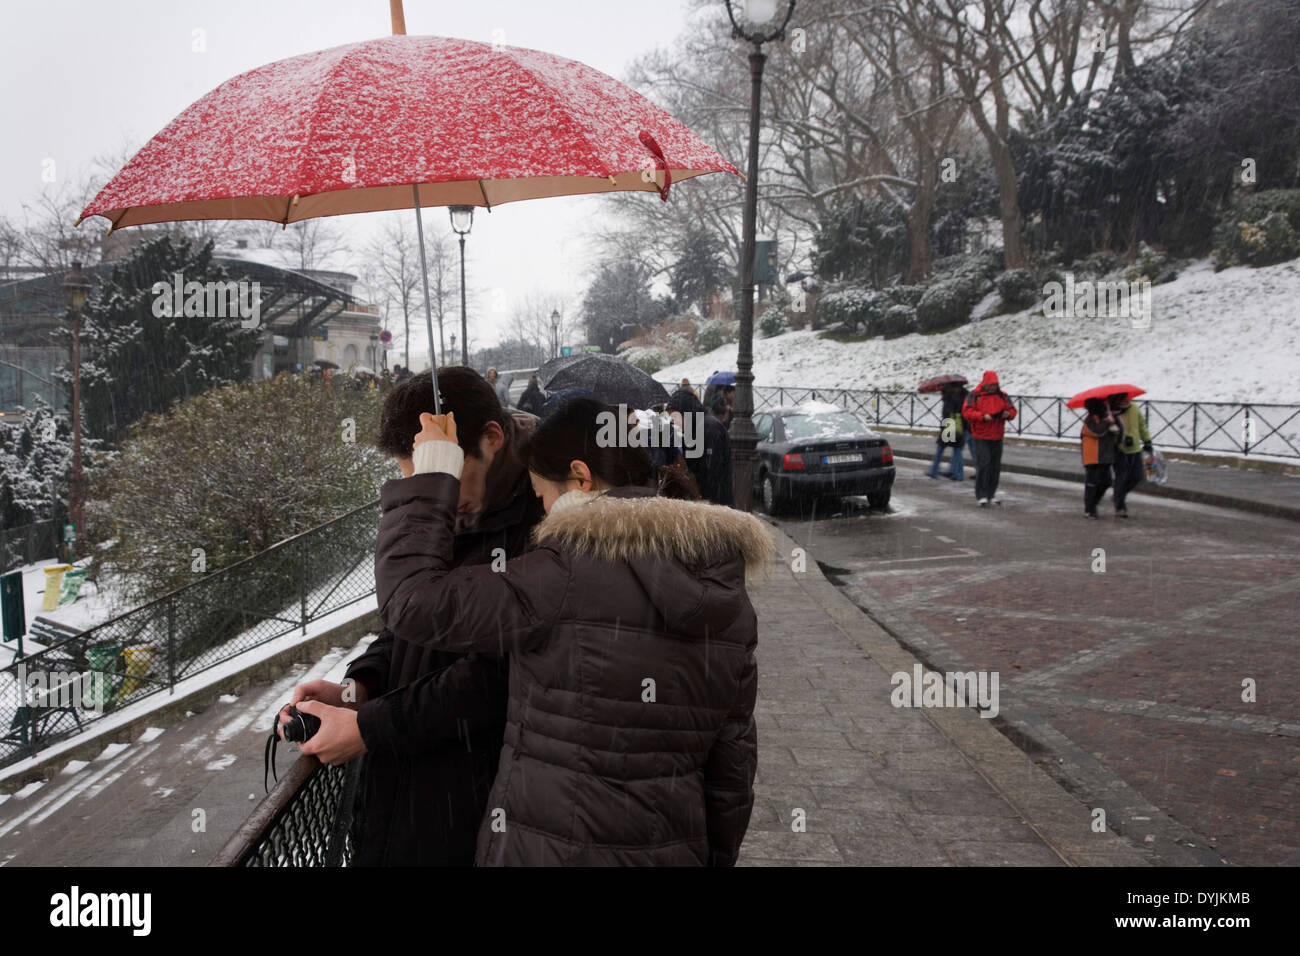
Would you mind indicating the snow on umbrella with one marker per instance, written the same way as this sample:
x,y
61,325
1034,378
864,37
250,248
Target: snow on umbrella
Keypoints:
x,y
354,128
402,122
607,378
1103,392
939,381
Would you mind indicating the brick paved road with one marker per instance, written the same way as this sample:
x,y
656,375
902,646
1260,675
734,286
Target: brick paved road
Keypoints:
x,y
1126,685
883,785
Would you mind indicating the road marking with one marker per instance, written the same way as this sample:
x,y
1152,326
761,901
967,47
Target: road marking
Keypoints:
x,y
939,537
926,530
965,553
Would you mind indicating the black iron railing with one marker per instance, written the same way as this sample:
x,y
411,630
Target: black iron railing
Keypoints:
x,y
54,693
1215,427
304,821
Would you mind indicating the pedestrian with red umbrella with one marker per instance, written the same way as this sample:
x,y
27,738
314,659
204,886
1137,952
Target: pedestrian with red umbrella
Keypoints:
x,y
1132,441
988,409
1099,438
952,427
1129,467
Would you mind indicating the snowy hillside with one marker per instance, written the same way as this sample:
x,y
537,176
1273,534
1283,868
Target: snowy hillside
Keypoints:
x,y
1228,336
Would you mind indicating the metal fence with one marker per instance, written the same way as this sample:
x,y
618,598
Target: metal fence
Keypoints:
x,y
54,693
304,821
1218,427
28,544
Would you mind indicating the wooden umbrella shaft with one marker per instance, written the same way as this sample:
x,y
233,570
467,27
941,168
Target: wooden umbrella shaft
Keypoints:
x,y
399,19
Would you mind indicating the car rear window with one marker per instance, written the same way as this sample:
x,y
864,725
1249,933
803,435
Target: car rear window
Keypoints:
x,y
822,425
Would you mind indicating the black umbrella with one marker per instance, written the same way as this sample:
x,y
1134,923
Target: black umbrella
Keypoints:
x,y
324,363
608,378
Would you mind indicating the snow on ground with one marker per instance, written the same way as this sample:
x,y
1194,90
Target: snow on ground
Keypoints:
x,y
332,664
1230,336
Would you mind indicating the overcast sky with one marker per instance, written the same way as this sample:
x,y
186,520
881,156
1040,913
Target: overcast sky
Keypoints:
x,y
82,78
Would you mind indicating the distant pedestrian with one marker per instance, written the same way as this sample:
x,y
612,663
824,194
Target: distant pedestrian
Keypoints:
x,y
988,409
686,384
1129,467
952,432
720,410
712,469
533,398
1099,438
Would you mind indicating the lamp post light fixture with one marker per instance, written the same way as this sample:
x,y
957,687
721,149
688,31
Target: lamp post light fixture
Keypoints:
x,y
76,287
453,343
462,219
758,24
555,333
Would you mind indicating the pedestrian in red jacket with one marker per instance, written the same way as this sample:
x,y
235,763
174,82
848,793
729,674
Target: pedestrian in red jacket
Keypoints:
x,y
988,409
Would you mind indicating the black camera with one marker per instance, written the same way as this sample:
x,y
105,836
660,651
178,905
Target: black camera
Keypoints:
x,y
300,727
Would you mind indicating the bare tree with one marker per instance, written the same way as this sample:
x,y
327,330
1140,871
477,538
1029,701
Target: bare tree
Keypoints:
x,y
532,322
394,256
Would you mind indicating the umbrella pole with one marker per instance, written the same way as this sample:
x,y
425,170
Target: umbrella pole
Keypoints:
x,y
428,309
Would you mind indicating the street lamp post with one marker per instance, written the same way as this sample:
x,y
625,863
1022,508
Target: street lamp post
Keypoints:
x,y
462,219
75,289
759,19
555,333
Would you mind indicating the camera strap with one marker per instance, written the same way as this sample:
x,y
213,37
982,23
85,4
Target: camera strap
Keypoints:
x,y
268,760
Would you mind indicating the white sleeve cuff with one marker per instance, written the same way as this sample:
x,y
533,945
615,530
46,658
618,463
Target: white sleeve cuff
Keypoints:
x,y
438,456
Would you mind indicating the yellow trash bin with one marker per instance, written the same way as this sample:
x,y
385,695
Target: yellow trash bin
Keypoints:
x,y
53,583
138,661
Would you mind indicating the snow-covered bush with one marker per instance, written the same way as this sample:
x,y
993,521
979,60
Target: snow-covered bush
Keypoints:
x,y
233,471
857,309
709,337
898,320
772,322
1018,288
906,294
1097,265
947,304
647,358
1151,265
1261,230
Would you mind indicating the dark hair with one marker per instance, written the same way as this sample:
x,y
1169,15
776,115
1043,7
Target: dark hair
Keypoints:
x,y
464,392
1095,406
570,433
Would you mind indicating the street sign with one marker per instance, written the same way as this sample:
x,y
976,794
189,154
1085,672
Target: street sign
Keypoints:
x,y
385,336
566,350
69,532
591,348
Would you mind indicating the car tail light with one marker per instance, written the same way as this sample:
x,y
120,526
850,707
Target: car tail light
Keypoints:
x,y
792,463
887,456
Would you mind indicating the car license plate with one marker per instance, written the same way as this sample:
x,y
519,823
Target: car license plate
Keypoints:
x,y
840,459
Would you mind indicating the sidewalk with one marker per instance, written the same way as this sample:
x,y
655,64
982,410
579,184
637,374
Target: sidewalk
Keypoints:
x,y
1221,485
880,785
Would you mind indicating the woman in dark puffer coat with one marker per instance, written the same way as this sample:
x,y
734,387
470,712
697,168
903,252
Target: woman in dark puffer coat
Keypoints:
x,y
630,737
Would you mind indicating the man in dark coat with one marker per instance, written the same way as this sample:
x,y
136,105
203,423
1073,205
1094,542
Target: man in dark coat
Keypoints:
x,y
952,432
712,469
533,398
433,722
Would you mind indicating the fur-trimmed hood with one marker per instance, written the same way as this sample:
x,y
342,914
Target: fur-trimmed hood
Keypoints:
x,y
633,523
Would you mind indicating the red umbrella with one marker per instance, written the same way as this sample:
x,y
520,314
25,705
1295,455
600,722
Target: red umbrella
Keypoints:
x,y
355,127
1104,392
402,122
939,381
